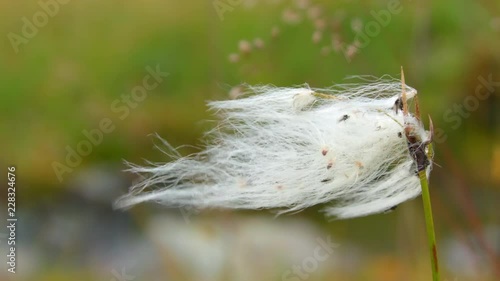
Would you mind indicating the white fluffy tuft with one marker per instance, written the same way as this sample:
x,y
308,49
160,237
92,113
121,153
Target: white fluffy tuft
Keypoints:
x,y
291,148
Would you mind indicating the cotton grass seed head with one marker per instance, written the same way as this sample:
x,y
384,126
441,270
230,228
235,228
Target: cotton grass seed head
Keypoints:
x,y
353,146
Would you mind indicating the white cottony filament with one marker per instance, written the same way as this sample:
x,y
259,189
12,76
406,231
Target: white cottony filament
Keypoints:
x,y
291,148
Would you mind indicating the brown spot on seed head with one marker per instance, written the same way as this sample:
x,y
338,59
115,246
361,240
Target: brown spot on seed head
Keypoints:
x,y
330,164
359,164
242,183
279,187
324,151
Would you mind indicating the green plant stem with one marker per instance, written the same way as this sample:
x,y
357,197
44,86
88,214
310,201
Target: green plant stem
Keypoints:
x,y
429,222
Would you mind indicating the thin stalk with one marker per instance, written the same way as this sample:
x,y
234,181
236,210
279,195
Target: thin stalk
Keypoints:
x,y
429,222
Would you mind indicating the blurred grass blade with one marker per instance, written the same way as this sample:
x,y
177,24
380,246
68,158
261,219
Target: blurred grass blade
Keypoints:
x,y
431,237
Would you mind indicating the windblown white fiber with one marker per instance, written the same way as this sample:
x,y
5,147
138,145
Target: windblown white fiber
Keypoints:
x,y
291,148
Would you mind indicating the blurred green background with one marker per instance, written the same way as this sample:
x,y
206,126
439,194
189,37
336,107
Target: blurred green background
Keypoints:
x,y
63,75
